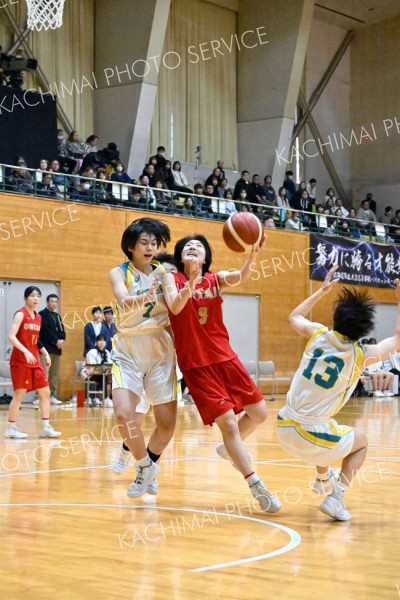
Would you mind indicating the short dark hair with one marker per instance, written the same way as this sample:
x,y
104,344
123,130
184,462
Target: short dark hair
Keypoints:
x,y
165,257
180,244
96,309
312,180
289,173
245,171
100,338
388,208
108,309
29,290
160,149
147,225
198,186
51,296
354,314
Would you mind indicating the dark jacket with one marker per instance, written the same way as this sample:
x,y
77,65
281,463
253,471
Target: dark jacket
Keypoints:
x,y
51,330
90,336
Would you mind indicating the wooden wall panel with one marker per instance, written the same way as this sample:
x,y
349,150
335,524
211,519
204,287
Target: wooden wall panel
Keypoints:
x,y
76,245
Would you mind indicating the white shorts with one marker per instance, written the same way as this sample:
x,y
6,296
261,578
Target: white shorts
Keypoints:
x,y
318,445
145,365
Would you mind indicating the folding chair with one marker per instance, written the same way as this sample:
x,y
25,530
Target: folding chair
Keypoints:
x,y
251,368
266,374
5,374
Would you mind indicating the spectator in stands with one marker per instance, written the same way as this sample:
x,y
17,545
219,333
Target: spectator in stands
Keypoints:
x,y
109,323
224,187
46,188
395,231
242,184
244,200
58,177
382,381
298,195
305,204
330,205
169,177
83,190
229,204
149,194
343,228
197,199
330,195
256,194
93,160
20,180
43,166
75,148
90,145
269,223
215,174
180,180
93,329
365,216
289,185
371,201
110,154
339,204
101,187
269,191
160,164
387,216
120,176
206,201
68,164
220,165
353,224
312,189
189,208
292,223
163,199
283,203
149,171
98,355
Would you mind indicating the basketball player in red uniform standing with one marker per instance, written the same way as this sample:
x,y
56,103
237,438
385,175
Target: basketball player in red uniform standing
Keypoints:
x,y
27,373
218,382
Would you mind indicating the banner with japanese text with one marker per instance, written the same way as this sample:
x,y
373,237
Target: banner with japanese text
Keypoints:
x,y
360,262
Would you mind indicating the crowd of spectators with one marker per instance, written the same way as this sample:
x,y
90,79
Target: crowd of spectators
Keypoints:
x,y
82,172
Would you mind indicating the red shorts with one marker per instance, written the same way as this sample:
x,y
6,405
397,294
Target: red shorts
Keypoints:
x,y
216,389
28,378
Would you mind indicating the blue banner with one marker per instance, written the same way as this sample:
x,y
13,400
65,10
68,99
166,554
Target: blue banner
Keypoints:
x,y
360,262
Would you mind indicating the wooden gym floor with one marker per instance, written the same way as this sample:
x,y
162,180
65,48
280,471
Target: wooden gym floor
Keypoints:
x,y
70,532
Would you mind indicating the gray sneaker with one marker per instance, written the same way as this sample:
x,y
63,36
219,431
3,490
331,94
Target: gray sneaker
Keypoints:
x,y
48,431
144,478
121,463
267,501
13,431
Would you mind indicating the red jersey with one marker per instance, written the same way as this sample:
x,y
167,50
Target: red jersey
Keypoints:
x,y
28,335
200,336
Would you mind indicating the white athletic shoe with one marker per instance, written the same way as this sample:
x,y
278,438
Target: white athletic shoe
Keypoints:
x,y
335,508
35,403
222,452
378,394
145,476
267,501
187,399
49,431
108,403
325,486
13,431
54,400
388,393
121,463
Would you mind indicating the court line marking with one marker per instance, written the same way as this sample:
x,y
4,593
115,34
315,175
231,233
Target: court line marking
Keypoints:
x,y
294,537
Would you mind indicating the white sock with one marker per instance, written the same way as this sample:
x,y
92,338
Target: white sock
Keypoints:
x,y
145,461
323,476
45,422
11,424
252,479
339,490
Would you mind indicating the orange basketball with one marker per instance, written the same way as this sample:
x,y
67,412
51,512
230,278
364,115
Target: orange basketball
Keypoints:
x,y
241,231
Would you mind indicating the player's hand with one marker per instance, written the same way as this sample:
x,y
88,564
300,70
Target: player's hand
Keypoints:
x,y
329,281
397,283
30,359
151,294
195,272
48,361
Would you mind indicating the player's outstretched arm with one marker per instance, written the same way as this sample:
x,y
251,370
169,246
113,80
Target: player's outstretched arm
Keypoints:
x,y
12,336
176,300
388,346
236,277
297,317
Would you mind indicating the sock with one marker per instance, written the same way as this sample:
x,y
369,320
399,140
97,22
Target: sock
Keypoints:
x,y
11,423
339,490
145,461
45,420
252,479
125,447
154,457
323,476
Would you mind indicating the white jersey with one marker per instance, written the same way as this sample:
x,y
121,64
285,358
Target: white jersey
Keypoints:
x,y
328,373
142,317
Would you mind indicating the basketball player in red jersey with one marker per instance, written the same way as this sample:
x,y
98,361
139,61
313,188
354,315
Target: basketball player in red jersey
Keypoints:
x,y
218,382
27,373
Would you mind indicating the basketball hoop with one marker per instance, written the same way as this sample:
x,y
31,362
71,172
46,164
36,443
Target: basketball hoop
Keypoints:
x,y
45,14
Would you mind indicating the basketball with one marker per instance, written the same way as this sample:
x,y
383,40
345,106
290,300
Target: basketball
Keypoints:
x,y
241,231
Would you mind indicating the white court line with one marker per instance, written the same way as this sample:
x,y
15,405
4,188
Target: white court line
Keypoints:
x,y
57,471
294,536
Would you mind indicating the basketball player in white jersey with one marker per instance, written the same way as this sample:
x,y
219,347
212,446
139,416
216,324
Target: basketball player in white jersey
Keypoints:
x,y
329,371
143,354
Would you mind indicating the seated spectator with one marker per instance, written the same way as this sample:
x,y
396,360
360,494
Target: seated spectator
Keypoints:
x,y
330,205
82,190
59,179
245,207
366,217
220,166
160,162
98,355
46,188
101,186
243,200
169,177
163,199
301,188
20,180
289,185
197,198
109,322
269,191
269,223
224,187
339,204
371,201
255,194
90,146
353,224
93,329
242,184
312,189
67,164
43,166
149,172
206,203
120,176
229,204
110,154
189,208
382,381
75,148
180,180
305,204
330,195
283,203
94,160
292,223
215,174
148,192
342,228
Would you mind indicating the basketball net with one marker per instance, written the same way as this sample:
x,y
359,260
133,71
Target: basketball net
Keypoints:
x,y
45,14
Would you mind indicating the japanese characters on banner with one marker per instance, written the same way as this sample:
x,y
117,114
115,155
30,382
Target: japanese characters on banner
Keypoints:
x,y
360,262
